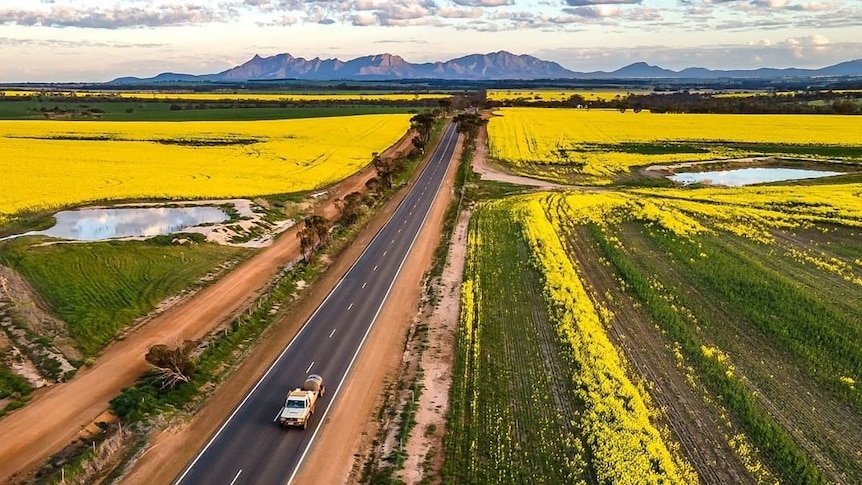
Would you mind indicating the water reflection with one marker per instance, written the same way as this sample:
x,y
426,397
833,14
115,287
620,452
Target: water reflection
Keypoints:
x,y
748,176
99,224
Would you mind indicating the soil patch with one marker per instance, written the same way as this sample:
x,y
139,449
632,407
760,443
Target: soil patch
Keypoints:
x,y
424,448
488,171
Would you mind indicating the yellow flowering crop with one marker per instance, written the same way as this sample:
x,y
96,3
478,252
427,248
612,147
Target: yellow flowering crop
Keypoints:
x,y
626,447
240,96
579,137
558,94
51,164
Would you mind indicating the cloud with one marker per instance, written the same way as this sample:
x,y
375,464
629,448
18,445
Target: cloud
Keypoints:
x,y
476,15
77,44
483,3
117,17
460,13
585,3
811,51
595,11
812,6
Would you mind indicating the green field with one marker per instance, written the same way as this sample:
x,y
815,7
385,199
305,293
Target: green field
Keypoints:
x,y
98,289
736,310
135,110
513,408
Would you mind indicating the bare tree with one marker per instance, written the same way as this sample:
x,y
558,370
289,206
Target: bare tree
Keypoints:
x,y
172,366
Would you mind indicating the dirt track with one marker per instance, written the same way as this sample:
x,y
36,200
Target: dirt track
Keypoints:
x,y
55,415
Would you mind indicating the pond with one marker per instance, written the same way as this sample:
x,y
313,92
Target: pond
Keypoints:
x,y
100,224
748,176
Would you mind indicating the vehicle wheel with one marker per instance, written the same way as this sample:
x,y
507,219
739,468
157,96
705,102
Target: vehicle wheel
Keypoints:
x,y
305,425
322,391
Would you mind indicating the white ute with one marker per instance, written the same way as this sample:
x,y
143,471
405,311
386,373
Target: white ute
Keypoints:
x,y
300,402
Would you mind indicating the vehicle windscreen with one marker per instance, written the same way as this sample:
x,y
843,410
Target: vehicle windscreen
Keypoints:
x,y
295,403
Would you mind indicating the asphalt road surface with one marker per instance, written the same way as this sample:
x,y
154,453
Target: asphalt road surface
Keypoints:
x,y
251,447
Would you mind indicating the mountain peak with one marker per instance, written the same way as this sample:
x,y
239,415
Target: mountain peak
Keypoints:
x,y
642,69
497,65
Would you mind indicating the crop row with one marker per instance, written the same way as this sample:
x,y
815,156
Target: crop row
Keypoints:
x,y
623,442
523,359
782,453
731,246
513,404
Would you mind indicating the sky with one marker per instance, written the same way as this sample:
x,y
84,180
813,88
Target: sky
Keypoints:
x,y
93,41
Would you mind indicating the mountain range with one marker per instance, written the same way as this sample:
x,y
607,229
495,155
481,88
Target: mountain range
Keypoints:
x,y
500,65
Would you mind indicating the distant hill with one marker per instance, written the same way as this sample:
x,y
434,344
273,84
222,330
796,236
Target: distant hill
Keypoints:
x,y
500,65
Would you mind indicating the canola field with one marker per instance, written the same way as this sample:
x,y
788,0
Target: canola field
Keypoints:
x,y
537,95
596,145
735,310
236,96
53,164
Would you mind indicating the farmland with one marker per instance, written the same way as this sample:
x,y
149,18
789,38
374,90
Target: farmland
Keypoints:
x,y
99,289
236,96
53,164
559,95
165,110
540,393
598,146
733,313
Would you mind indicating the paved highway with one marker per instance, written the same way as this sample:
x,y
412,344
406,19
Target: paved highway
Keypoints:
x,y
250,447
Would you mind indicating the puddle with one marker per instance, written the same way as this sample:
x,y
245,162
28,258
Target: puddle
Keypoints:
x,y
101,224
749,176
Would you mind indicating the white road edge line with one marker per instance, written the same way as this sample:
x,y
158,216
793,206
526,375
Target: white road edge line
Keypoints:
x,y
236,477
368,330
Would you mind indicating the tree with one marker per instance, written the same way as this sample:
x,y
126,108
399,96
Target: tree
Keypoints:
x,y
470,123
422,123
314,234
350,206
387,168
172,366
373,185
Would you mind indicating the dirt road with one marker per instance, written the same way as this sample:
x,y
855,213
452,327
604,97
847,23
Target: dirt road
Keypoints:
x,y
56,414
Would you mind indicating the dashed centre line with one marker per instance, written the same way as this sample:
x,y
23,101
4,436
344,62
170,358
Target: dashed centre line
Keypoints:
x,y
363,284
236,476
333,332
350,306
309,368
